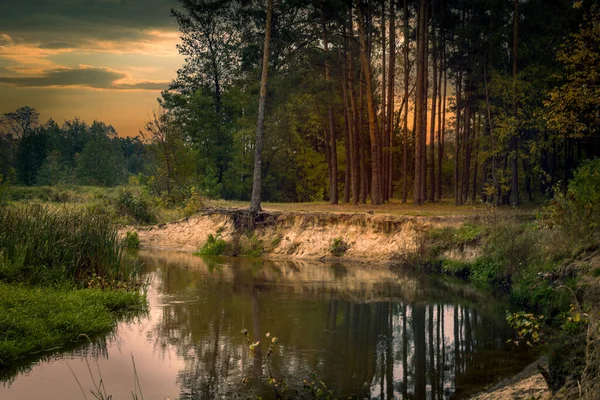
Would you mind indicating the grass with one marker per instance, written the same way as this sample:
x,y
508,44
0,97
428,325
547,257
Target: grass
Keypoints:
x,y
40,245
393,207
37,319
62,274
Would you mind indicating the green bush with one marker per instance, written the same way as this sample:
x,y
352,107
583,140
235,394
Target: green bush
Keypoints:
x,y
214,246
456,268
132,240
136,207
579,210
338,247
254,247
193,203
508,250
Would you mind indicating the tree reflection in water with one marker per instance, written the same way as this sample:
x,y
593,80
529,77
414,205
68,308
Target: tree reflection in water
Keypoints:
x,y
362,330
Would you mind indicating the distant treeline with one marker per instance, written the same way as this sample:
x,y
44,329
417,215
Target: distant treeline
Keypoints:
x,y
71,153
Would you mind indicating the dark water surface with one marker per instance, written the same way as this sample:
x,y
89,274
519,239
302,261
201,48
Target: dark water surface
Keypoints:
x,y
359,328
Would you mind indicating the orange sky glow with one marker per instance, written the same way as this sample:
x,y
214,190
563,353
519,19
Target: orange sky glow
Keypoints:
x,y
100,66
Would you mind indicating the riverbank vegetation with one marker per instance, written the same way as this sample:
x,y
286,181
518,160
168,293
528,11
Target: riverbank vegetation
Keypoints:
x,y
537,261
63,274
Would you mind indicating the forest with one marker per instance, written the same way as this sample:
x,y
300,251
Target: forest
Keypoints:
x,y
494,101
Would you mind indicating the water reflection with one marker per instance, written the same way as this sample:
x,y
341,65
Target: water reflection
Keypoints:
x,y
360,329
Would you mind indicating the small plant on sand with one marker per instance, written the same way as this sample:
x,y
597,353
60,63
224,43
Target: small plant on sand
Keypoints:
x,y
132,240
338,247
254,247
214,246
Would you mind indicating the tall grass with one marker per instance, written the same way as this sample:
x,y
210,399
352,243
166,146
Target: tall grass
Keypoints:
x,y
38,244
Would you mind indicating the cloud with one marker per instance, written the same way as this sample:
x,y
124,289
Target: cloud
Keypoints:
x,y
91,77
60,21
58,45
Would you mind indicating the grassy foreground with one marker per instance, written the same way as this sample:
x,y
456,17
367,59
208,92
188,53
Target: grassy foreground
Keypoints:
x,y
35,319
63,274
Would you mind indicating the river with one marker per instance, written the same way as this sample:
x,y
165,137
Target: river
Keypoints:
x,y
358,328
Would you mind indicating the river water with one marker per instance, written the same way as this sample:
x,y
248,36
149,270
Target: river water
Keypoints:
x,y
358,328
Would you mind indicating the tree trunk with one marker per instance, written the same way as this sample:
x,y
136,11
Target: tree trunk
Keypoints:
x,y
465,147
332,143
425,106
364,183
441,122
514,145
356,131
349,134
457,140
476,167
432,123
375,162
260,128
420,104
390,103
406,76
383,134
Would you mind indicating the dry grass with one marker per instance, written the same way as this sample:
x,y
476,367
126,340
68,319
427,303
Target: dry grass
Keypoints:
x,y
394,207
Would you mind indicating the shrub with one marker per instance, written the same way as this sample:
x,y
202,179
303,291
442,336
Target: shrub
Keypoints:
x,y
579,210
132,240
254,247
136,207
193,203
509,248
214,246
338,247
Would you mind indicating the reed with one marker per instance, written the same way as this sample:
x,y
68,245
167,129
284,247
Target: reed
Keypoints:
x,y
39,244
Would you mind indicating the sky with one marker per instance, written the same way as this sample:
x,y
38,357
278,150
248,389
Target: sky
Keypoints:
x,y
104,60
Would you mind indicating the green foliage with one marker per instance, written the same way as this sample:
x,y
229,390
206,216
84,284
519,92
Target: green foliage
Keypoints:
x,y
136,207
173,170
449,237
572,107
276,241
38,245
254,246
508,249
101,163
132,240
193,203
456,268
4,191
338,247
579,211
214,246
528,326
54,171
51,194
31,154
567,348
36,319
